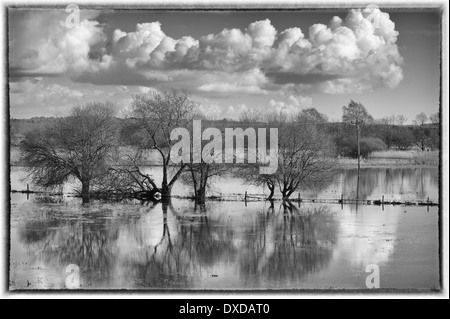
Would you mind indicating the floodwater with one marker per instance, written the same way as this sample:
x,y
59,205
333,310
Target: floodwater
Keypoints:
x,y
230,245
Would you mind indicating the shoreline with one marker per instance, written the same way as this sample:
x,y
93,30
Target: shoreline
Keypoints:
x,y
385,165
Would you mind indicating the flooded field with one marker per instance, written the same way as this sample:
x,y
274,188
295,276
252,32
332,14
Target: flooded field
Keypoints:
x,y
230,245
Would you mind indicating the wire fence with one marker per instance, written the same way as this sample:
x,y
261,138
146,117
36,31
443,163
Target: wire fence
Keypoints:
x,y
247,197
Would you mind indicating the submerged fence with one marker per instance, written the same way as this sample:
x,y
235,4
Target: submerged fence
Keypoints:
x,y
246,197
342,200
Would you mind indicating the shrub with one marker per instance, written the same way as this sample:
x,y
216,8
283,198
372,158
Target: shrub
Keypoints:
x,y
349,146
402,138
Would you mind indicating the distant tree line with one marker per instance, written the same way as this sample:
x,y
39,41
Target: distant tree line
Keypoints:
x,y
85,146
387,133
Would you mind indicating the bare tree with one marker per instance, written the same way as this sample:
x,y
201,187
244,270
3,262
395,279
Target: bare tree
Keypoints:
x,y
401,119
356,114
250,172
127,179
421,132
276,117
157,114
388,120
74,146
435,119
421,119
199,175
311,115
250,116
304,157
251,176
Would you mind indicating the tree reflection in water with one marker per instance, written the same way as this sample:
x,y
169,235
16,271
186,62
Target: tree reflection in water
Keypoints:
x,y
285,246
407,183
180,261
281,244
60,239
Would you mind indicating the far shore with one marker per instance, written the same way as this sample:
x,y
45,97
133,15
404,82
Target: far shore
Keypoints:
x,y
431,161
340,165
350,163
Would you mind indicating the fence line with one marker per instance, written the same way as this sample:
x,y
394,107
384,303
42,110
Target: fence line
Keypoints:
x,y
342,200
246,197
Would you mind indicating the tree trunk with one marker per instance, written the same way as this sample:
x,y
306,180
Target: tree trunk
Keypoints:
x,y
200,195
287,192
272,191
359,148
166,191
85,191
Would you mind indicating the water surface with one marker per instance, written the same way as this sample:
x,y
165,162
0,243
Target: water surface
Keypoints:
x,y
228,245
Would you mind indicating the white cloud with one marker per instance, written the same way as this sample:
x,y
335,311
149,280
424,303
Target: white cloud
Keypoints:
x,y
291,105
357,53
46,46
262,33
136,46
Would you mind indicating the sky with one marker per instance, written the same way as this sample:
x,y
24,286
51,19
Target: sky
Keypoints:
x,y
229,61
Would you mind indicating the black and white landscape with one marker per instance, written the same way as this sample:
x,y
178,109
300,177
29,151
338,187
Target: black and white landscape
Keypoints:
x,y
224,149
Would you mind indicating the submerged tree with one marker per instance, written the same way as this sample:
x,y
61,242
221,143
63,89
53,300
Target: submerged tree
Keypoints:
x,y
200,175
126,179
305,155
155,115
74,146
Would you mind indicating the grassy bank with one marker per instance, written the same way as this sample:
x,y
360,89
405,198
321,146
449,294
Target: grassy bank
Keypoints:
x,y
394,158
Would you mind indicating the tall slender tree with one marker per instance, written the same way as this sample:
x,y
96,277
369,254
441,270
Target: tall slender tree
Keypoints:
x,y
356,114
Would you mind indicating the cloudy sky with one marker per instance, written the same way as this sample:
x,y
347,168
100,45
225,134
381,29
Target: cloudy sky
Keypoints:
x,y
229,61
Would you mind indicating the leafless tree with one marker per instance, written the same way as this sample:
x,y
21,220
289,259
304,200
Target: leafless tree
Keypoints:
x,y
200,175
305,155
311,115
356,114
156,114
127,179
434,118
401,119
250,172
276,117
250,116
421,131
251,176
74,146
421,119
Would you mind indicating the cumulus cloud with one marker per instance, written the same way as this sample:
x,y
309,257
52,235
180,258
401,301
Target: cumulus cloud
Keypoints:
x,y
39,97
290,105
353,54
43,45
